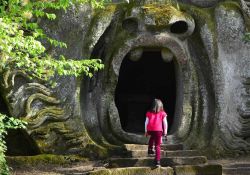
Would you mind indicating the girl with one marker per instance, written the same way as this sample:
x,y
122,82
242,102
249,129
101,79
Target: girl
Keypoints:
x,y
156,126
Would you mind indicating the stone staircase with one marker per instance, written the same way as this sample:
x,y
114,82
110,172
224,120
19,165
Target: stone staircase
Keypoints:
x,y
174,161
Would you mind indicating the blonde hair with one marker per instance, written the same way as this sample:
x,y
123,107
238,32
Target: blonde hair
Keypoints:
x,y
157,106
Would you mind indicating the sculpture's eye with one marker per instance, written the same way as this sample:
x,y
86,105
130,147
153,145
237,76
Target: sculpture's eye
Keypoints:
x,y
130,25
179,27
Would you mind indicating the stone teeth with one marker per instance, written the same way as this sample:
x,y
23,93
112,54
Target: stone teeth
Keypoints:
x,y
136,54
167,55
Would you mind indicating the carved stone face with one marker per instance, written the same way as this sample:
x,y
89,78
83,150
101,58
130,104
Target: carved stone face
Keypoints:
x,y
158,51
192,58
149,64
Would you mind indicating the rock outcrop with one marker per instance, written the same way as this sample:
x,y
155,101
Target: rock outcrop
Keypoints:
x,y
191,57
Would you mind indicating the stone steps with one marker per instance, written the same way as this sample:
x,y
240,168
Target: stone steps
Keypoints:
x,y
174,161
177,153
169,147
236,171
207,169
134,171
177,170
149,161
239,169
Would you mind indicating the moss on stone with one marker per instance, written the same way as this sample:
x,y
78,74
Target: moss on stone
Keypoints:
x,y
230,5
134,171
235,6
105,12
204,17
109,9
161,12
100,17
201,16
94,151
43,159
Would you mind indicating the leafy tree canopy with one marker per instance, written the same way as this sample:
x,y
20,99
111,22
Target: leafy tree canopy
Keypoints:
x,y
20,36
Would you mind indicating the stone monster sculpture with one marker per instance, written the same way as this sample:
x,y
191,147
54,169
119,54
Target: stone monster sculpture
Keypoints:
x,y
206,78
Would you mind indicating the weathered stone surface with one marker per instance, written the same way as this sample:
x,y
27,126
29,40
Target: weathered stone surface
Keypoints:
x,y
165,161
231,72
170,147
209,169
211,76
134,171
182,153
237,168
204,3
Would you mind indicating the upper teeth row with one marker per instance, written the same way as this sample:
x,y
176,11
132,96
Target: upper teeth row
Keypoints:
x,y
136,54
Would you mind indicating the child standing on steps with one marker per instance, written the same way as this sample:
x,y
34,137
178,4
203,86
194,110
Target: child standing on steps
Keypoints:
x,y
156,125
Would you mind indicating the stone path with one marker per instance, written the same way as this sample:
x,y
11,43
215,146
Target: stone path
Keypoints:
x,y
175,161
133,160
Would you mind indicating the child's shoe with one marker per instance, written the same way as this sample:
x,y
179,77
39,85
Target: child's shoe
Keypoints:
x,y
151,152
158,164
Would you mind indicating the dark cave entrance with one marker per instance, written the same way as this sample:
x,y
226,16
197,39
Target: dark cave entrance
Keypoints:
x,y
18,142
139,83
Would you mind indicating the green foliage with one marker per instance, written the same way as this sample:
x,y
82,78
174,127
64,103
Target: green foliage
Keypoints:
x,y
247,37
20,35
5,124
94,3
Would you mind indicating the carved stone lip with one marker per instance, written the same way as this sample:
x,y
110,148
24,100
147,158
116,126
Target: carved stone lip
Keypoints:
x,y
160,41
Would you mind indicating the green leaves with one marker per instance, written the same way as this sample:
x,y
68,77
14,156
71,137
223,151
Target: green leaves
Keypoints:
x,y
50,16
10,123
93,3
246,37
20,46
57,43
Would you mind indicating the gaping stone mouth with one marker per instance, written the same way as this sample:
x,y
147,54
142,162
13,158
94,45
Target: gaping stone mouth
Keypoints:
x,y
168,45
140,81
169,53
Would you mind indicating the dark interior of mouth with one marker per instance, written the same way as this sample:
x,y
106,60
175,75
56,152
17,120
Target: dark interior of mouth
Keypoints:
x,y
139,83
